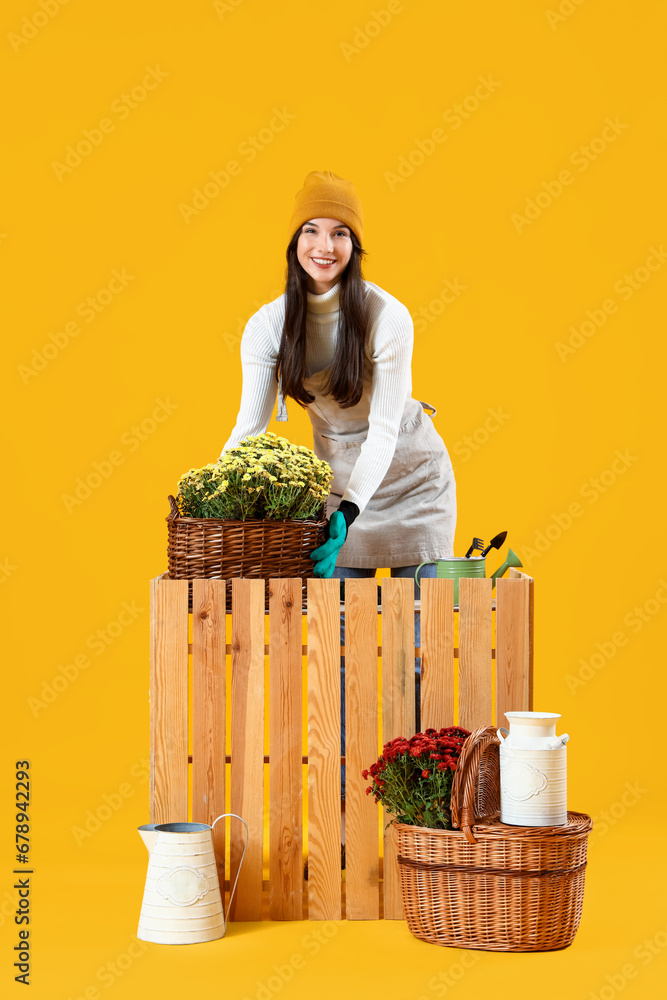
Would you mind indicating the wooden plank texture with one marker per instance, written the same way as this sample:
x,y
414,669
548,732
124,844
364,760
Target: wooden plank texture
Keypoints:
x,y
362,893
153,786
247,745
512,648
324,802
475,656
208,710
516,574
437,631
169,702
398,705
285,751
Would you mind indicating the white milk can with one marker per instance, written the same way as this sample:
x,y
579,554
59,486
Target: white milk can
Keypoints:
x,y
533,770
182,902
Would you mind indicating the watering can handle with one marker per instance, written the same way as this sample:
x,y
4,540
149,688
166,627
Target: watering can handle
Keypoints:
x,y
247,837
429,562
502,733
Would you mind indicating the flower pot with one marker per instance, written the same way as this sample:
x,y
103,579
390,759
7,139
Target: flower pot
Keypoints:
x,y
215,549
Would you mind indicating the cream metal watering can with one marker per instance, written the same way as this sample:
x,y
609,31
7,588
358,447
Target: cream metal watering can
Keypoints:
x,y
459,566
182,902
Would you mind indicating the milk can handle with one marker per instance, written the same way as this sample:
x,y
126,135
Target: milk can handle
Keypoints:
x,y
429,562
499,734
247,837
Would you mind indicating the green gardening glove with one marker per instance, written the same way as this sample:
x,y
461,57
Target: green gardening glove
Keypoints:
x,y
325,556
337,527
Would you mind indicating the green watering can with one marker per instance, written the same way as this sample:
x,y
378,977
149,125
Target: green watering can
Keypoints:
x,y
475,566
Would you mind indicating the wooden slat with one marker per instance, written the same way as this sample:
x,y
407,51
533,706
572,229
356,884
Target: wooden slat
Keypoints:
x,y
285,751
208,710
437,630
362,895
169,701
153,786
247,770
516,574
398,705
324,802
475,701
512,648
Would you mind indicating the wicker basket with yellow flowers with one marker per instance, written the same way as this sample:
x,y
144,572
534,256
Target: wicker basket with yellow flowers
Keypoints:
x,y
258,512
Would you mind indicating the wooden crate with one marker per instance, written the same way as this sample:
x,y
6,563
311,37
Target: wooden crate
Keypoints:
x,y
476,664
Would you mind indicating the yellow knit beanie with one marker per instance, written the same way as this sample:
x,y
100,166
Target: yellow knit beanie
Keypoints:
x,y
325,195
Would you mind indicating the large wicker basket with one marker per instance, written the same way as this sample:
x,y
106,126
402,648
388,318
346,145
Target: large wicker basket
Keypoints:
x,y
215,549
488,885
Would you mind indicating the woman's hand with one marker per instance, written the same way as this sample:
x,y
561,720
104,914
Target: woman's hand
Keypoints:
x,y
325,556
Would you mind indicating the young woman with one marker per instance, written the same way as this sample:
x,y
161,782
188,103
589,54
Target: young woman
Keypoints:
x,y
342,347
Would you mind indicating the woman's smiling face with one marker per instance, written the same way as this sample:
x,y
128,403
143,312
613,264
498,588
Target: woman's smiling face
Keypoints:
x,y
324,249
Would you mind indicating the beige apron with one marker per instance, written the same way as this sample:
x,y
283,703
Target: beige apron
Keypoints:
x,y
412,514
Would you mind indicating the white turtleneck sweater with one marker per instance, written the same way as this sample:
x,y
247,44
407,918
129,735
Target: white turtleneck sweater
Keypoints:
x,y
390,347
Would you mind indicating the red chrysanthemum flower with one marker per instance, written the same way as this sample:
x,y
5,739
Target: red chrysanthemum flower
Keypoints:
x,y
412,779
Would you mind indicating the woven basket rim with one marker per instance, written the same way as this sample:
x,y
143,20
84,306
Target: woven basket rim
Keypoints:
x,y
577,824
248,520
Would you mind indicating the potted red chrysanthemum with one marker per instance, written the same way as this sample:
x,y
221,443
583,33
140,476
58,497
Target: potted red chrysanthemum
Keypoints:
x,y
413,777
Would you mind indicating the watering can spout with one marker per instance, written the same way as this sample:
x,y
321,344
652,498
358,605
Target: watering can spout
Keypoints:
x,y
511,561
148,834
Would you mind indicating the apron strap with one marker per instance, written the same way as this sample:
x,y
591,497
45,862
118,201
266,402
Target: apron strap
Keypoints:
x,y
282,408
428,406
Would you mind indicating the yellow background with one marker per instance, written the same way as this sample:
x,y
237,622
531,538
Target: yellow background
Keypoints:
x,y
359,100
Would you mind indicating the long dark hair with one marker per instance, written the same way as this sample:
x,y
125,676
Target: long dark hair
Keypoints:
x,y
346,375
